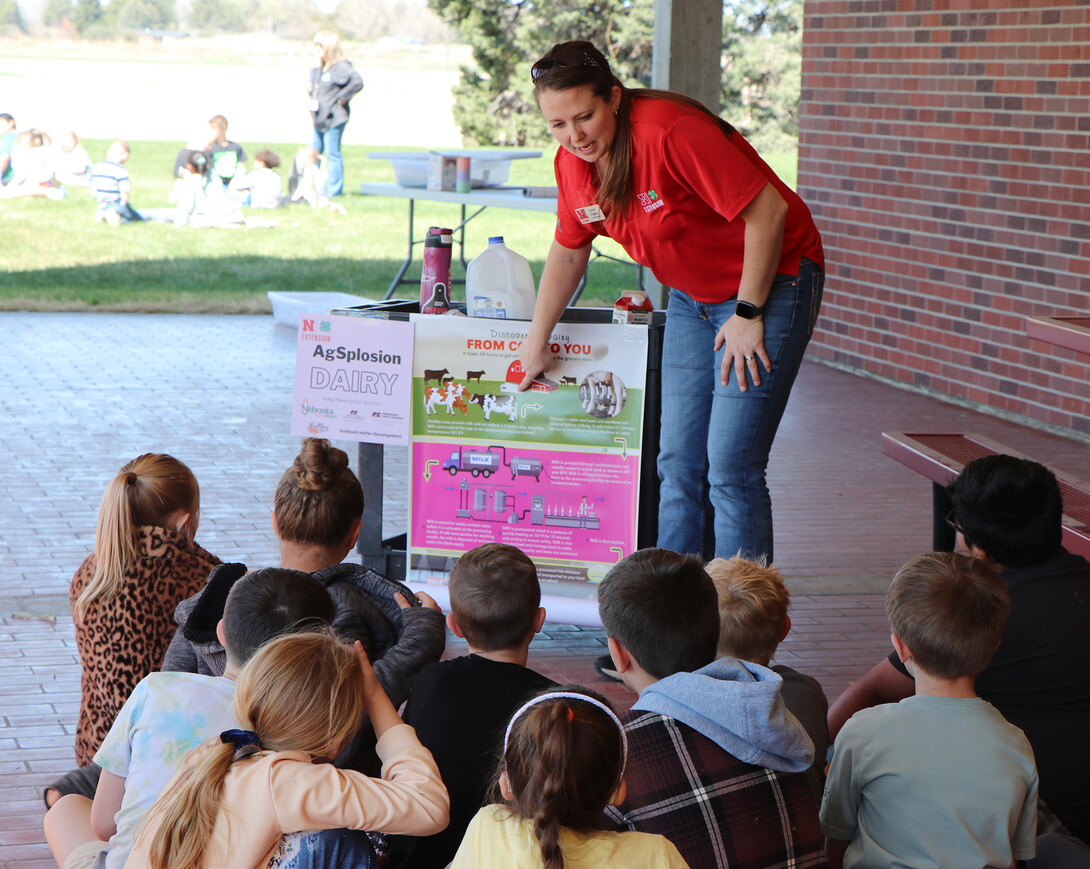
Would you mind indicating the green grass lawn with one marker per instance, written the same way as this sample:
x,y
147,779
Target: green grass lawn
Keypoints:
x,y
56,257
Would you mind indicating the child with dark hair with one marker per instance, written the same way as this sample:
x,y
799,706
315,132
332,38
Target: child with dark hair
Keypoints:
x,y
260,188
563,762
460,707
717,760
170,713
941,778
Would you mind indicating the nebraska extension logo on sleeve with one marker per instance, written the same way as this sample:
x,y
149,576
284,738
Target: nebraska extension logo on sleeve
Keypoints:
x,y
650,201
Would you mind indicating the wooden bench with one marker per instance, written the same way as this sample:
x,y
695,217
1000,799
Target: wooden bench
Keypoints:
x,y
941,457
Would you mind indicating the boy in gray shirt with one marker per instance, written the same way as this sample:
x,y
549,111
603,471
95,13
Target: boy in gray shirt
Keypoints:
x,y
941,778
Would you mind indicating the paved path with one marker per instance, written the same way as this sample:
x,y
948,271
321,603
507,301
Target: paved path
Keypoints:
x,y
82,393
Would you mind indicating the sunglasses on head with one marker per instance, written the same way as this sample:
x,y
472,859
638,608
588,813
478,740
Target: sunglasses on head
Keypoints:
x,y
569,59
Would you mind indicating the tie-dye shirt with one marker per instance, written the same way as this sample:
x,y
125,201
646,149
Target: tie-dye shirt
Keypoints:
x,y
167,715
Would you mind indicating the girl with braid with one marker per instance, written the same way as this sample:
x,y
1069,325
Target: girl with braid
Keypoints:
x,y
563,762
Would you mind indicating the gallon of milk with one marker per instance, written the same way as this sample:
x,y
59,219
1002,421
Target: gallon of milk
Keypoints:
x,y
499,284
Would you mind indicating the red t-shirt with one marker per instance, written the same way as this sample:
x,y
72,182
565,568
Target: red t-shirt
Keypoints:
x,y
691,183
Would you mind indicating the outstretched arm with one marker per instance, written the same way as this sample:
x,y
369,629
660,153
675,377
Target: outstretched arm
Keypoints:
x,y
882,684
563,269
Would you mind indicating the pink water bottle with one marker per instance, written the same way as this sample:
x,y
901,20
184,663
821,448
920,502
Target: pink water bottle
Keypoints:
x,y
435,279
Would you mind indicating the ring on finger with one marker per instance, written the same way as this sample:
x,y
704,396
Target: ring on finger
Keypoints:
x,y
748,358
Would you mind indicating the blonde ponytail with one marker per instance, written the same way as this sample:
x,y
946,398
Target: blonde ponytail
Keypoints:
x,y
299,692
186,813
146,491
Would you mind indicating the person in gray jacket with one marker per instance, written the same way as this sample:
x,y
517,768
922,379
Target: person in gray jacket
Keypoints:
x,y
332,85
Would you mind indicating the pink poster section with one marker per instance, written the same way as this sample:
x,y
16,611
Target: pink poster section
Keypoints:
x,y
569,505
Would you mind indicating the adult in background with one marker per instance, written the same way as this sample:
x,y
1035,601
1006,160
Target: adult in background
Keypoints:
x,y
332,85
1008,511
687,196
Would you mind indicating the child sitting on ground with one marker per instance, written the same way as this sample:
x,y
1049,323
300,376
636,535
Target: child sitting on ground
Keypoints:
x,y
317,516
260,188
717,760
199,199
299,700
111,187
460,707
170,713
941,778
73,165
308,174
144,564
563,762
753,621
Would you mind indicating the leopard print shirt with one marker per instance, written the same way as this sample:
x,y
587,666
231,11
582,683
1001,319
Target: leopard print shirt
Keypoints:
x,y
123,639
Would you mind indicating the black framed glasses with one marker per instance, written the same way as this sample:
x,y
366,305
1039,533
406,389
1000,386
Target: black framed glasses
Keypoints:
x,y
569,59
952,521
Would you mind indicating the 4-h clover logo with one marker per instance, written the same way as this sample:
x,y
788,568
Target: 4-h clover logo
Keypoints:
x,y
325,326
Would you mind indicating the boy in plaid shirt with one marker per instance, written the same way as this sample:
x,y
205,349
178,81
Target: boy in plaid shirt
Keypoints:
x,y
716,762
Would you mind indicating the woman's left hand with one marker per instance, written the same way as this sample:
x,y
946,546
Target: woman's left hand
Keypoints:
x,y
743,349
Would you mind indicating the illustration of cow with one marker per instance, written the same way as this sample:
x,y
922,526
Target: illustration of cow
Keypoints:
x,y
474,375
436,375
498,404
434,396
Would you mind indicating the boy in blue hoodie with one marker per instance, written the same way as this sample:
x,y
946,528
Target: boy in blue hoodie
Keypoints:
x,y
716,762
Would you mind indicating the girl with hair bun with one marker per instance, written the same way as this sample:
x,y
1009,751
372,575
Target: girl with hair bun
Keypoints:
x,y
317,516
299,700
563,762
144,564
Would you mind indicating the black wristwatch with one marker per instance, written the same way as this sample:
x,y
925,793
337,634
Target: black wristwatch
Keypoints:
x,y
748,310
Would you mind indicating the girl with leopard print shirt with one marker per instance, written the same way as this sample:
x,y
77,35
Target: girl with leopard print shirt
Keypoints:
x,y
124,594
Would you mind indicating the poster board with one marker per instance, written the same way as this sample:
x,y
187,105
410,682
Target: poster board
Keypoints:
x,y
553,471
352,377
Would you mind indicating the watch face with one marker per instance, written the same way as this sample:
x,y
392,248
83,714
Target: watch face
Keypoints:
x,y
747,310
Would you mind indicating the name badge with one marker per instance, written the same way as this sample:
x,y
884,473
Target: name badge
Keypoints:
x,y
589,214
325,76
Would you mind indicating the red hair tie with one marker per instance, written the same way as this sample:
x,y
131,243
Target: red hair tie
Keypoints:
x,y
571,715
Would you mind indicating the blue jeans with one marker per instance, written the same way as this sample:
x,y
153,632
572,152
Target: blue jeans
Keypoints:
x,y
715,439
329,143
324,849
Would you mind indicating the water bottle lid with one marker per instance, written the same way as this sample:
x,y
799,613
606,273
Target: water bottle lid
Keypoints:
x,y
495,239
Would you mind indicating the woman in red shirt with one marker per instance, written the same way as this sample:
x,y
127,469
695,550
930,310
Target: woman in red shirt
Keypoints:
x,y
688,197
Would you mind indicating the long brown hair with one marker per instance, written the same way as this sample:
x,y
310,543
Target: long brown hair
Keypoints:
x,y
616,190
564,758
300,692
146,491
318,499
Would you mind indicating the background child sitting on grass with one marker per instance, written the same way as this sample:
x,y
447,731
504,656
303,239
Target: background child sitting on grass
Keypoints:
x,y
753,621
941,778
461,707
110,186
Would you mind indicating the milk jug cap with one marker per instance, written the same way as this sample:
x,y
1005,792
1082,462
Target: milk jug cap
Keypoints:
x,y
495,239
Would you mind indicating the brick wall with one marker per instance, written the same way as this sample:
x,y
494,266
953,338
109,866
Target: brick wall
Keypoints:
x,y
945,153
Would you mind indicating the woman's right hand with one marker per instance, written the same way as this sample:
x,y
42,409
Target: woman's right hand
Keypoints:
x,y
536,358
